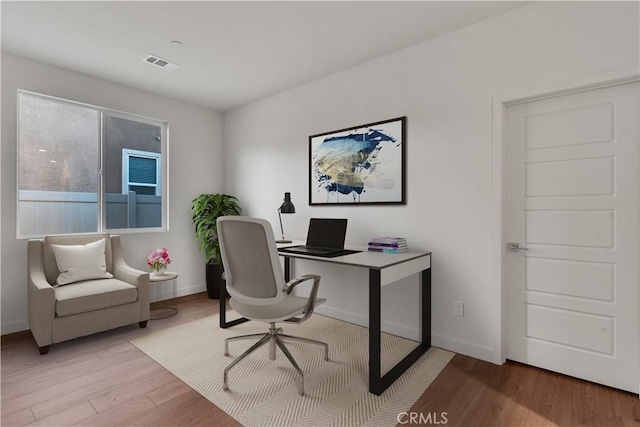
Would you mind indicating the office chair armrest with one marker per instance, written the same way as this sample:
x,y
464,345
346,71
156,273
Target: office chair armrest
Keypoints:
x,y
288,287
311,302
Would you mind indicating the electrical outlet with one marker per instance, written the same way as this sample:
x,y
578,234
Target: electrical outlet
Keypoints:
x,y
458,308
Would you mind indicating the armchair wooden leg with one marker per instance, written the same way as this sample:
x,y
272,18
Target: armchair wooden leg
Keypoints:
x,y
44,349
143,324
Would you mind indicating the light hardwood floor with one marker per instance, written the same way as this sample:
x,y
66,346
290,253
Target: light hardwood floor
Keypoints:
x,y
105,380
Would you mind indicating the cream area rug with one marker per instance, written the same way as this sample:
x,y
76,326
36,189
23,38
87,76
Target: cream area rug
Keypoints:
x,y
264,393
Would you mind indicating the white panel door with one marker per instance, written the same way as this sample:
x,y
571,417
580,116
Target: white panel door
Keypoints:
x,y
573,201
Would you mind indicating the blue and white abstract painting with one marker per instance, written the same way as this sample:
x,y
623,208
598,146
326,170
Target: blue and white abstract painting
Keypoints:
x,y
359,165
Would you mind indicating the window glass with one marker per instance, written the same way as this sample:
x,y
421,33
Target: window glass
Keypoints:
x,y
143,170
132,173
62,147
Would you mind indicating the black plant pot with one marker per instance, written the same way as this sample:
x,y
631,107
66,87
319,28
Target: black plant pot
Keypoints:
x,y
214,280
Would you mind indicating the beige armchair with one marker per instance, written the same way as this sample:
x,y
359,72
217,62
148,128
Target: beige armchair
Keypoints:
x,y
61,313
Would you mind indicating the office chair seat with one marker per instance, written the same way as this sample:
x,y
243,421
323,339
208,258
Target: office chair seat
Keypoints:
x,y
286,309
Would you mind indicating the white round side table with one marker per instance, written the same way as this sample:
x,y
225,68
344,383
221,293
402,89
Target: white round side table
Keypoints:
x,y
163,312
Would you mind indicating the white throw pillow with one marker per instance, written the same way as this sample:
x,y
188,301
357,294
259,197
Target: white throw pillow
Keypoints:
x,y
81,262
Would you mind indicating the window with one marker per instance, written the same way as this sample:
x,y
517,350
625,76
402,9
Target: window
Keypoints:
x,y
84,169
140,172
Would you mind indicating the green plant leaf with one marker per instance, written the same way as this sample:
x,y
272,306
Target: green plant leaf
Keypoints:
x,y
205,210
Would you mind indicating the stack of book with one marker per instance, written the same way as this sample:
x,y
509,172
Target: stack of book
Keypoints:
x,y
392,245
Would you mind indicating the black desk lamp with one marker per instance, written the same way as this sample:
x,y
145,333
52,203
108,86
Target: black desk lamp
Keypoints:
x,y
286,208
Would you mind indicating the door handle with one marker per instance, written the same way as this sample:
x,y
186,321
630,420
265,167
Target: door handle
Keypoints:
x,y
515,247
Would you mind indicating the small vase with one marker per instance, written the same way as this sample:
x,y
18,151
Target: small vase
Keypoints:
x,y
159,271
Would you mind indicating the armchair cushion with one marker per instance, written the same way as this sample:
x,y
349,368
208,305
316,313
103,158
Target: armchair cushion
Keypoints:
x,y
49,260
93,295
81,262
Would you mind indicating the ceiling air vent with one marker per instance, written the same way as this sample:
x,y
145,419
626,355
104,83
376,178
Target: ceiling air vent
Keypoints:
x,y
162,63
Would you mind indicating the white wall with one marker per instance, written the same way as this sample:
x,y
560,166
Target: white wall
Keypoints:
x,y
445,88
195,155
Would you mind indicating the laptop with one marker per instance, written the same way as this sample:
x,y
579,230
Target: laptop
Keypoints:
x,y
325,236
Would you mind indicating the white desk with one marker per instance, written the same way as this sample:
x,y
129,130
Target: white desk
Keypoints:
x,y
383,269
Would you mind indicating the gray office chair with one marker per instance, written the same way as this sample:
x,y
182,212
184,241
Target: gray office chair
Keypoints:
x,y
258,290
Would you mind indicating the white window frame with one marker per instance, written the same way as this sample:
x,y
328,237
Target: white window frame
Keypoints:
x,y
126,155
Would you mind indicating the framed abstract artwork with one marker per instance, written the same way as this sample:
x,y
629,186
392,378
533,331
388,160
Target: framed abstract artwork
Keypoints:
x,y
360,165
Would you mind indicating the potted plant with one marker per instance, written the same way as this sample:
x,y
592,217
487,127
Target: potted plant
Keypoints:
x,y
205,210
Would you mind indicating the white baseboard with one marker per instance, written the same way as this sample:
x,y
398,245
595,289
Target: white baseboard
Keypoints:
x,y
358,319
166,290
15,326
456,345
467,348
190,290
463,347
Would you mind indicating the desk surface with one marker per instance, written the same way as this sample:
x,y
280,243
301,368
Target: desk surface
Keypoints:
x,y
365,259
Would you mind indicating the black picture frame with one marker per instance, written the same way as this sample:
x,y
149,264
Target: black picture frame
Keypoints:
x,y
359,165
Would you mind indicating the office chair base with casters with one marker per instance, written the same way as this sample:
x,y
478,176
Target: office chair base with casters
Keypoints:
x,y
274,338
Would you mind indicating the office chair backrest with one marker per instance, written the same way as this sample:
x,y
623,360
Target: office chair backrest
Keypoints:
x,y
250,259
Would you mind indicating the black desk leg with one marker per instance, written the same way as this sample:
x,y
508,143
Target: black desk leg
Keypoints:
x,y
377,383
425,307
375,291
287,269
223,309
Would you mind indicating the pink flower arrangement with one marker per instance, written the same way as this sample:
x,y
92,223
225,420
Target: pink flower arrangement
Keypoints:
x,y
158,259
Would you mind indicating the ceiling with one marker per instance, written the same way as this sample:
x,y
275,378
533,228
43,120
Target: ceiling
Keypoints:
x,y
232,52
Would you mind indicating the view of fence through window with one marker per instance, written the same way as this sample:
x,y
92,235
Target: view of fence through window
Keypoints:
x,y
59,180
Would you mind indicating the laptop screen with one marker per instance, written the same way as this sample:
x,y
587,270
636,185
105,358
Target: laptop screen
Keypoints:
x,y
327,232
